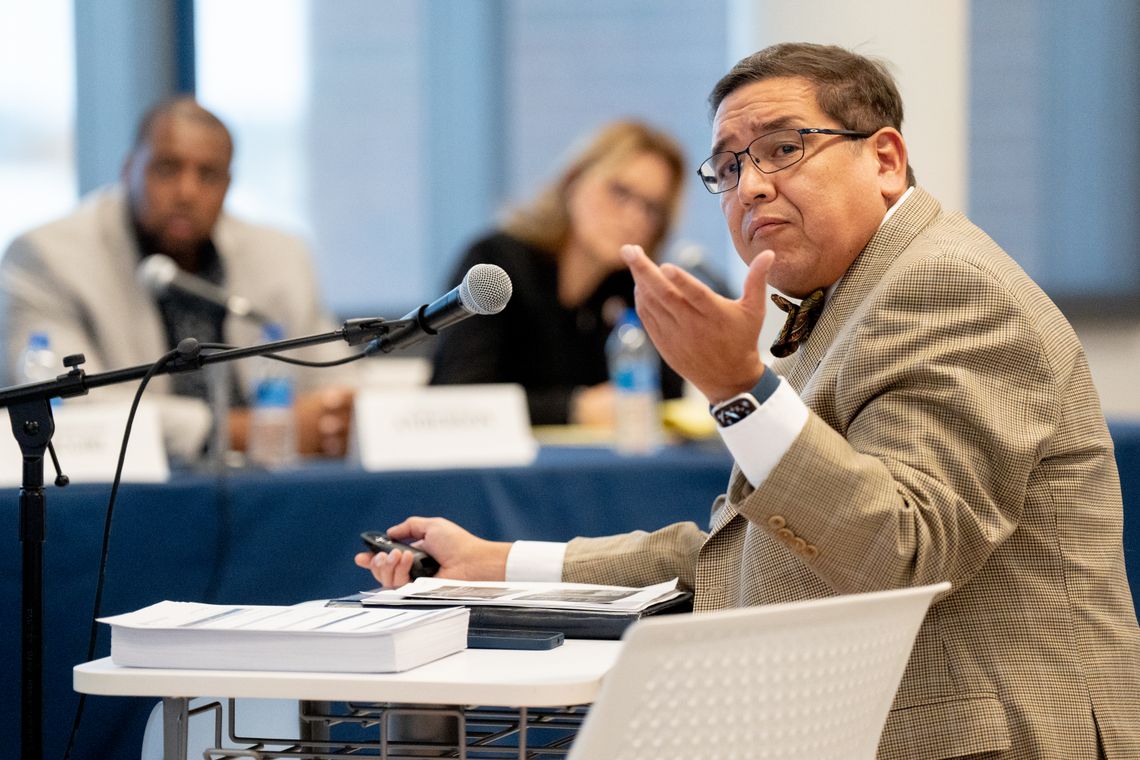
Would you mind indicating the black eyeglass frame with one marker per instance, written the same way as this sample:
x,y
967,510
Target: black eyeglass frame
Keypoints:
x,y
737,155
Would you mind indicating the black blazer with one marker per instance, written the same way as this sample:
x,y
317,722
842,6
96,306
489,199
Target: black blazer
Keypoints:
x,y
536,342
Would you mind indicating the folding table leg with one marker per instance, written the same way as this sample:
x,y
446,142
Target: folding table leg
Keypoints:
x,y
175,727
313,731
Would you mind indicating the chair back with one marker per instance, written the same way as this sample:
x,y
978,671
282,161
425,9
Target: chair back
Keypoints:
x,y
812,679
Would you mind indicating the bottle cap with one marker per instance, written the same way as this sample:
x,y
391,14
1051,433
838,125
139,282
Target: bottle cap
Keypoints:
x,y
38,341
276,392
272,331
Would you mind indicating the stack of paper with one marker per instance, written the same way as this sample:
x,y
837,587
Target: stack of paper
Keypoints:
x,y
300,638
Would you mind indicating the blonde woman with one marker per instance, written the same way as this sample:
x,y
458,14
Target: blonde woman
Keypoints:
x,y
570,285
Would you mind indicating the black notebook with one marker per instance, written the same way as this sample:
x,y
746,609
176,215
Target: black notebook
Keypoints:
x,y
573,624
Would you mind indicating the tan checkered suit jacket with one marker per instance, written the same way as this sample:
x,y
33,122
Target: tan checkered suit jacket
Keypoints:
x,y
955,435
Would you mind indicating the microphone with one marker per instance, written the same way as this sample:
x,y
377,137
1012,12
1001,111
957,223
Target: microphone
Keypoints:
x,y
485,289
159,274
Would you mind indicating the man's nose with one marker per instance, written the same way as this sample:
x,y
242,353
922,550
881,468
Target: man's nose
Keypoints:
x,y
754,184
189,184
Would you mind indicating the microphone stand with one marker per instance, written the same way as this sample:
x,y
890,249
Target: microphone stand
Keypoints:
x,y
29,407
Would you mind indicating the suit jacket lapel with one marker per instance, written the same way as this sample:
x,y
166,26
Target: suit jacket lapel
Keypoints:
x,y
858,283
123,301
860,279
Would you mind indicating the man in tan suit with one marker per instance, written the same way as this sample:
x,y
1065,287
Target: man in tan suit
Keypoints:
x,y
938,423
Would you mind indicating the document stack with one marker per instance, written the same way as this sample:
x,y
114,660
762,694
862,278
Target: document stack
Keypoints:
x,y
299,638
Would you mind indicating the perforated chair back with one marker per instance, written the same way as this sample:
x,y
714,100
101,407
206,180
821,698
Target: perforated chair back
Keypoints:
x,y
811,679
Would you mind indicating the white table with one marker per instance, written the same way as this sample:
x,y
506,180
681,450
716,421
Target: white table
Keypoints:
x,y
564,676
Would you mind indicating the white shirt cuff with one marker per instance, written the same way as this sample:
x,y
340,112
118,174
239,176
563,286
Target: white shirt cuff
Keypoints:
x,y
759,441
535,561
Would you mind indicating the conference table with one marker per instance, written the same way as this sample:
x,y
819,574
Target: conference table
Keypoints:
x,y
508,703
252,537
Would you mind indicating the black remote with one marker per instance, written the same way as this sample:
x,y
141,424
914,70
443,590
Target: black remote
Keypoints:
x,y
423,565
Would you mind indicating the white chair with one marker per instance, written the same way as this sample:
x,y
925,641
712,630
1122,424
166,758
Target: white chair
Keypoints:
x,y
810,679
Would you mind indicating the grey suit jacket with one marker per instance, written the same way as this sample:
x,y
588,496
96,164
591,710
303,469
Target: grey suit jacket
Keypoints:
x,y
954,434
74,279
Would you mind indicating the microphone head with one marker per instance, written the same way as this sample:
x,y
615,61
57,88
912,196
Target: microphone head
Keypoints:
x,y
485,289
156,272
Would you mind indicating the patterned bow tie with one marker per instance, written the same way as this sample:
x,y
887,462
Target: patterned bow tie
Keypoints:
x,y
801,319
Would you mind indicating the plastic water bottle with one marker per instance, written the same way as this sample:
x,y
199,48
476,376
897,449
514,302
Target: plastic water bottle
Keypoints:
x,y
272,426
635,371
39,362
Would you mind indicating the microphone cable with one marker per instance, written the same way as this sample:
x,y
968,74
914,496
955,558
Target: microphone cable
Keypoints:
x,y
93,635
184,350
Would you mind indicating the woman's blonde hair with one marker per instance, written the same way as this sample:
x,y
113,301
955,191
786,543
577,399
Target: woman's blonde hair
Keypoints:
x,y
545,222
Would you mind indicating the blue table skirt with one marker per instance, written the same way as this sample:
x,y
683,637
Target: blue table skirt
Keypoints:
x,y
1126,436
261,538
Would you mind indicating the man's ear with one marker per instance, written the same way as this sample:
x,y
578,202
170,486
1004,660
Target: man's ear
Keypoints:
x,y
891,154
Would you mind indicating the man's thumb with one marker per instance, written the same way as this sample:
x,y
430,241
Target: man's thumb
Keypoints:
x,y
756,280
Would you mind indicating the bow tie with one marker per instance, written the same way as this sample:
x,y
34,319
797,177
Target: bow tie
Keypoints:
x,y
801,319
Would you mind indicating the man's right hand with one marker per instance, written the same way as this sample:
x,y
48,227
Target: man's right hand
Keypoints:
x,y
460,554
709,340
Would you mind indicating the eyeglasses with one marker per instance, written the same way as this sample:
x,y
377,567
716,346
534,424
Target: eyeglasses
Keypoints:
x,y
769,153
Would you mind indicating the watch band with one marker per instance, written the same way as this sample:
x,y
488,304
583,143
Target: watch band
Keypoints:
x,y
735,409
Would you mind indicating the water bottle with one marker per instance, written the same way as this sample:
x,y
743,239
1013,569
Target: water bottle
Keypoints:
x,y
39,362
272,426
635,372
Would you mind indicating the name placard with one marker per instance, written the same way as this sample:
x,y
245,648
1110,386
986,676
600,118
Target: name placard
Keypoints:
x,y
441,427
87,439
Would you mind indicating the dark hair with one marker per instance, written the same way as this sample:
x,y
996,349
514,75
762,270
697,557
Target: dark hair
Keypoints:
x,y
181,107
857,91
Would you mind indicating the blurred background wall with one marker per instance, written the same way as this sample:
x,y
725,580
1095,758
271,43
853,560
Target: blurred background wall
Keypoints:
x,y
390,133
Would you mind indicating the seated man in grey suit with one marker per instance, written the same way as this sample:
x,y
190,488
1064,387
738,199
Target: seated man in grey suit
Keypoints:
x,y
74,279
938,423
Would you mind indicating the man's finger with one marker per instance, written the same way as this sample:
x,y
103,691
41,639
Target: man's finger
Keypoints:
x,y
755,282
412,528
651,289
645,272
635,257
691,290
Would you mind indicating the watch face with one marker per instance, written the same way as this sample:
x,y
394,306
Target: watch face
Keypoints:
x,y
734,411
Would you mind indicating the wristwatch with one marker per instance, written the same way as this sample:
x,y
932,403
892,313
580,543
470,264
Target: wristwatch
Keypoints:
x,y
735,409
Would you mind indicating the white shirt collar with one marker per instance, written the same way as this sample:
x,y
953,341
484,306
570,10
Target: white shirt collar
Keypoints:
x,y
895,205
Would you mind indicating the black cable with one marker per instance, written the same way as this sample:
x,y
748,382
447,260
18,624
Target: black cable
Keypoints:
x,y
299,362
154,369
331,363
158,365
